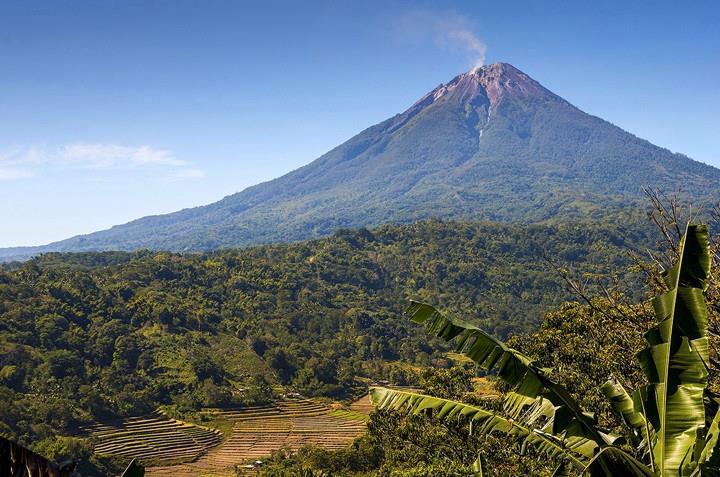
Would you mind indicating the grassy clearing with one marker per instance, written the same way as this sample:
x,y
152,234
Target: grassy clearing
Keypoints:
x,y
346,414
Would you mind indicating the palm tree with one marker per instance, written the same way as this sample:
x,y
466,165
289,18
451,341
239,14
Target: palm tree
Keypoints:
x,y
668,418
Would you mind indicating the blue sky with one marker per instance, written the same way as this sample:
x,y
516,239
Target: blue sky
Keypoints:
x,y
112,110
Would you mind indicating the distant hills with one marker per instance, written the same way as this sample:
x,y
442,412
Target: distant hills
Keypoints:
x,y
492,144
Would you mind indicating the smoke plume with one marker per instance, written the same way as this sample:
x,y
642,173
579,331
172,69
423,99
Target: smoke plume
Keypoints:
x,y
448,30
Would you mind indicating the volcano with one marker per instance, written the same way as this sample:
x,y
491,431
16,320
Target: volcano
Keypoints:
x,y
492,144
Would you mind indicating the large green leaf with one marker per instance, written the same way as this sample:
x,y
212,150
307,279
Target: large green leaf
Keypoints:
x,y
676,359
615,462
529,381
710,455
631,412
485,422
564,470
480,467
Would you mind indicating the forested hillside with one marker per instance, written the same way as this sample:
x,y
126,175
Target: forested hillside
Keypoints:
x,y
85,337
590,355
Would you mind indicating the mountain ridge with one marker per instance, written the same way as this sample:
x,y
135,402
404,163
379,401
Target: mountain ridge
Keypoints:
x,y
491,144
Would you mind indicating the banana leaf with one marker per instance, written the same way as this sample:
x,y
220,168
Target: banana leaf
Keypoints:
x,y
676,359
615,462
479,467
564,470
529,381
631,412
710,455
484,421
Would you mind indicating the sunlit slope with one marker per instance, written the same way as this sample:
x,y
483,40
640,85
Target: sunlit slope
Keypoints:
x,y
492,144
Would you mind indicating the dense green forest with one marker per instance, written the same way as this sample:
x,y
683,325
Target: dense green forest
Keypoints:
x,y
92,336
581,345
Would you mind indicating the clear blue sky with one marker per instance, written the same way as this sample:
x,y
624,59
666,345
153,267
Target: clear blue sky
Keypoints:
x,y
112,110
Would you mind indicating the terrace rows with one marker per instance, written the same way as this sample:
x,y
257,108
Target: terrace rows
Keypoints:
x,y
155,438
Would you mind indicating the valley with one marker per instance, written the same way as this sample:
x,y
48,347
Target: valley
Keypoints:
x,y
128,333
246,336
368,238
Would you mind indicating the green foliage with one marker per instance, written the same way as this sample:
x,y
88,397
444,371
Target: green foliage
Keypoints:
x,y
400,445
666,416
535,400
452,383
582,343
677,358
64,448
125,333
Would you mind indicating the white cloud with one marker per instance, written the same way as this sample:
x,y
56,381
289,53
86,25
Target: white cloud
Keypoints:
x,y
27,162
185,174
446,29
112,156
9,174
18,163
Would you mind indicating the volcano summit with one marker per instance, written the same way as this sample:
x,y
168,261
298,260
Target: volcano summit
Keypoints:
x,y
491,144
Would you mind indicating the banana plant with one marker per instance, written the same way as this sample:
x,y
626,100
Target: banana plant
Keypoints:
x,y
672,433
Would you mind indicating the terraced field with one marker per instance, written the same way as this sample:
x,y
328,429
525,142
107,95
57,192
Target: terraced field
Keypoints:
x,y
155,439
363,405
258,431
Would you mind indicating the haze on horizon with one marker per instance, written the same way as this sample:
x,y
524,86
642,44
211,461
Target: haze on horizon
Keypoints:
x,y
112,112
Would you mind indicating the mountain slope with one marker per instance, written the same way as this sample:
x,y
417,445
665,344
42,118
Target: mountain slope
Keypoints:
x,y
492,144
